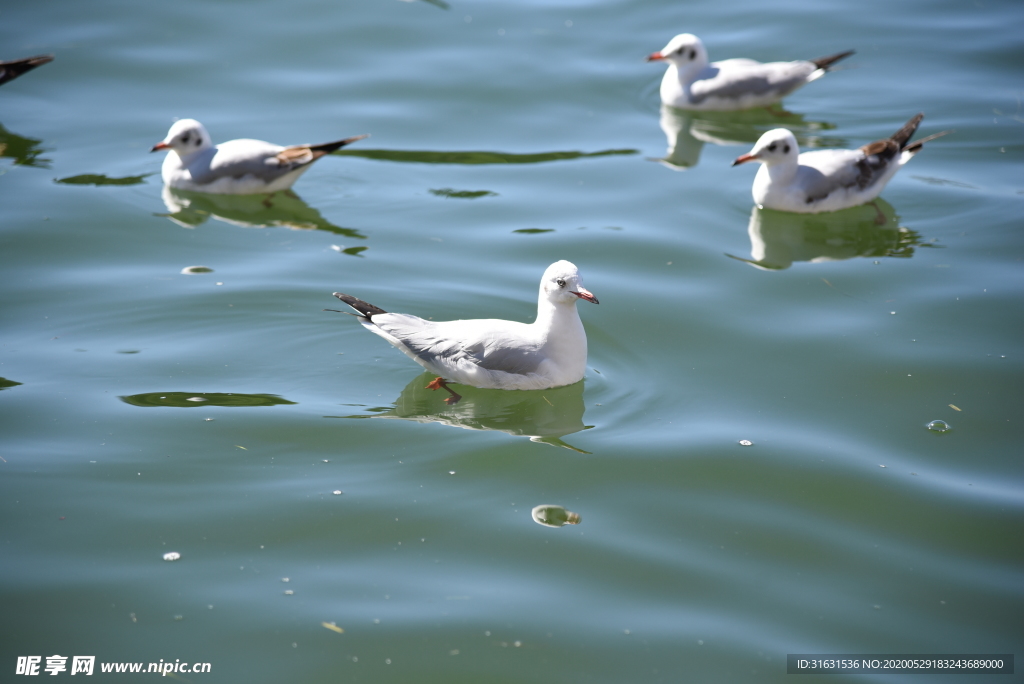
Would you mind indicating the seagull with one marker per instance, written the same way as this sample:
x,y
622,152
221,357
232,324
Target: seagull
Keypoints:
x,y
827,180
492,353
692,83
16,67
235,167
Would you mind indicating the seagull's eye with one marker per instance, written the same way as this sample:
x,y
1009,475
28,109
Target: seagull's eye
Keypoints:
x,y
693,54
185,138
785,149
199,140
771,148
560,282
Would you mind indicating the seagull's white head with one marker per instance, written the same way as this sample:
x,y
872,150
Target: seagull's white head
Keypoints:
x,y
187,136
777,146
685,51
561,284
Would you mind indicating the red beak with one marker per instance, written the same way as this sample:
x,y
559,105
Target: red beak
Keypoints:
x,y
743,158
655,57
160,146
582,293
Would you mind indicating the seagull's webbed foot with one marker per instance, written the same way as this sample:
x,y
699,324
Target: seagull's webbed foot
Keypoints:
x,y
440,383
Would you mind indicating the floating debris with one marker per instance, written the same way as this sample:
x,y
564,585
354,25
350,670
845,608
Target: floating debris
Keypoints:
x,y
193,270
172,556
554,516
746,442
333,627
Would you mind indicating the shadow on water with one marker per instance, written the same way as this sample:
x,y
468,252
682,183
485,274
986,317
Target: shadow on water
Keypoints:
x,y
474,157
24,151
102,179
542,415
436,3
280,209
687,131
780,238
196,399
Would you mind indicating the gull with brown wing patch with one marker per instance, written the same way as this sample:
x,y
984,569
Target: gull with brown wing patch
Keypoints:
x,y
235,167
827,180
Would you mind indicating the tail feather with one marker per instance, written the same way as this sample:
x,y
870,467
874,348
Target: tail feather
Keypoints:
x,y
365,309
903,135
327,148
916,146
826,62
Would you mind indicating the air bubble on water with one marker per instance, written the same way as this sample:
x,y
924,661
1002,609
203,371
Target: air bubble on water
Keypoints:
x,y
939,426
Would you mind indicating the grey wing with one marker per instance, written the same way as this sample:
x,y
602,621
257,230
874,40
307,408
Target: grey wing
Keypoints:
x,y
498,354
252,158
777,77
450,344
825,171
418,337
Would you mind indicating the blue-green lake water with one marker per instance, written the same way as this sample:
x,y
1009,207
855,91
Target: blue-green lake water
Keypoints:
x,y
145,411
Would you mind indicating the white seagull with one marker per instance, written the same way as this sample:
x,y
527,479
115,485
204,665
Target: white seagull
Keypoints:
x,y
235,167
827,180
492,353
690,82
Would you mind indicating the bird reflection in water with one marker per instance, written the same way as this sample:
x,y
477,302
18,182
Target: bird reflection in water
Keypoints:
x,y
545,416
687,131
554,516
23,151
780,238
279,209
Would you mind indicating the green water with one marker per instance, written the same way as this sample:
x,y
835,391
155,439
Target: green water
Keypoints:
x,y
144,410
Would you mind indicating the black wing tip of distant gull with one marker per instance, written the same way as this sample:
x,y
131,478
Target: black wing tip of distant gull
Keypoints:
x,y
327,148
365,309
826,62
14,68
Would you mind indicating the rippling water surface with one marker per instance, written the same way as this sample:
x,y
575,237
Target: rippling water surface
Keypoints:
x,y
748,455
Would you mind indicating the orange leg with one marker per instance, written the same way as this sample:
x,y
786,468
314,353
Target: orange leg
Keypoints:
x,y
439,383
